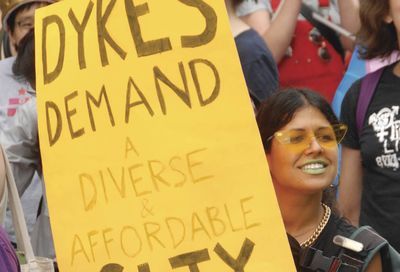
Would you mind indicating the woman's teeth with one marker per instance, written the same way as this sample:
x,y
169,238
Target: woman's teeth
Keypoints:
x,y
314,168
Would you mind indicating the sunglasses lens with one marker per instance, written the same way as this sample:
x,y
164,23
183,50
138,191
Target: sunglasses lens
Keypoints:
x,y
296,136
300,139
326,137
296,140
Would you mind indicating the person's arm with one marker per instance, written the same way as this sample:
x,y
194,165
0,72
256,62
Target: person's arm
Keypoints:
x,y
280,33
350,186
349,20
375,265
259,20
256,14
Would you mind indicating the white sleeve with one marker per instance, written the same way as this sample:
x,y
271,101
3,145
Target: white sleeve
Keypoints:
x,y
20,142
334,12
250,6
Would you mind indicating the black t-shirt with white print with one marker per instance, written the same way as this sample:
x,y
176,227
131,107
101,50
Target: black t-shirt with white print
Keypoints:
x,y
379,144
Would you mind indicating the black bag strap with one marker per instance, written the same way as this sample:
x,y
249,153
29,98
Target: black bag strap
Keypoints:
x,y
368,88
329,34
368,237
372,241
312,259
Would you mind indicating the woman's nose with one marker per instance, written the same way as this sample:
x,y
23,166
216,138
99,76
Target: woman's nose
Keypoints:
x,y
314,146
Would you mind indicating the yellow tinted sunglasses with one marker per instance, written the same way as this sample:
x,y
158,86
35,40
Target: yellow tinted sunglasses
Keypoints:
x,y
300,139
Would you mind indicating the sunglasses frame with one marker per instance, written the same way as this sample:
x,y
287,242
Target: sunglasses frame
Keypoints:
x,y
338,129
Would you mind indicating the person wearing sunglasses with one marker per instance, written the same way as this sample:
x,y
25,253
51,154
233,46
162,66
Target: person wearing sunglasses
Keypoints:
x,y
18,18
300,134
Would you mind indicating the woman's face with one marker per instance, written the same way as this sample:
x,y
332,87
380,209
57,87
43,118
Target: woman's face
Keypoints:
x,y
309,168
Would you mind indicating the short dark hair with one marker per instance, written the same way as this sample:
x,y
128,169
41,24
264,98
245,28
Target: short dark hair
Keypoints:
x,y
24,65
278,110
11,19
377,37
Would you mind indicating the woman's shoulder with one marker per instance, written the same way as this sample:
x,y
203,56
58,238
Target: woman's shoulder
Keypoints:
x,y
350,99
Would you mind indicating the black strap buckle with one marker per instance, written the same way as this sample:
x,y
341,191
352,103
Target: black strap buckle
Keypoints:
x,y
312,259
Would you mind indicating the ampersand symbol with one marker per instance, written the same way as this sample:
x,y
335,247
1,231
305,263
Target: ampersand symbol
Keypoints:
x,y
147,210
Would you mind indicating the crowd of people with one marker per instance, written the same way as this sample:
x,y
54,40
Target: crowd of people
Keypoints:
x,y
293,55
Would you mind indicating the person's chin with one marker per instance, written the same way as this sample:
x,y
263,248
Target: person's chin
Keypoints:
x,y
319,178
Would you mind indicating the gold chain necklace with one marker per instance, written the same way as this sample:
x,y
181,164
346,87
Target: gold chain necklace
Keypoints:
x,y
320,227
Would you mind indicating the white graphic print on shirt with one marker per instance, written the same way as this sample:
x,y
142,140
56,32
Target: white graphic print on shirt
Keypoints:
x,y
387,130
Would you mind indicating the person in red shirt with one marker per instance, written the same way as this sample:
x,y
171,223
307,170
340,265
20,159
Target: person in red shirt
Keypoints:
x,y
306,57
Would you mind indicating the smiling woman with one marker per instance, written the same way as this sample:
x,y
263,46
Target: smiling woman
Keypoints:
x,y
311,162
300,134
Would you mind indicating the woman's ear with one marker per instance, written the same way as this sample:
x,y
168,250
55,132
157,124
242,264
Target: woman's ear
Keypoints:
x,y
388,19
268,156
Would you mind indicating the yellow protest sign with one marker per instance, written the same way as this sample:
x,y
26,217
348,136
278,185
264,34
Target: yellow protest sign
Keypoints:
x,y
151,154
